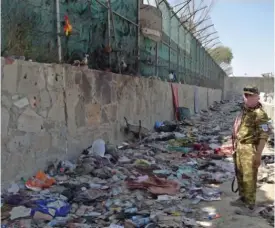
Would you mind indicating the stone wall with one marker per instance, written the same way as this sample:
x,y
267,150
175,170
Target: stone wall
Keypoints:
x,y
234,85
52,111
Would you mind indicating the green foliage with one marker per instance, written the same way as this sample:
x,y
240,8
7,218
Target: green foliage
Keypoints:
x,y
222,54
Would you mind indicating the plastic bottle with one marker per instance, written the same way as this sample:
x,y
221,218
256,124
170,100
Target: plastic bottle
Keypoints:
x,y
141,222
136,217
98,147
214,216
131,210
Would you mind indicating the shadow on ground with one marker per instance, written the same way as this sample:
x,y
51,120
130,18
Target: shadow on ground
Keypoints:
x,y
228,219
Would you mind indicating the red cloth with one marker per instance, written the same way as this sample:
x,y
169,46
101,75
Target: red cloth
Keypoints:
x,y
201,147
224,151
156,185
175,92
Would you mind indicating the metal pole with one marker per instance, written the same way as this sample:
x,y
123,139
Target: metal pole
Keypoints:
x,y
138,35
109,33
178,53
170,29
58,31
157,60
117,13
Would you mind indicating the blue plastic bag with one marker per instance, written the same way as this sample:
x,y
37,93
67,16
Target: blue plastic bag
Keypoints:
x,y
55,208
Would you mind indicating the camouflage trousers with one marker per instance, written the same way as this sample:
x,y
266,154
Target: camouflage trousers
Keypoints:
x,y
246,174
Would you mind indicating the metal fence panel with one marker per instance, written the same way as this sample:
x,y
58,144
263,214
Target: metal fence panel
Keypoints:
x,y
29,29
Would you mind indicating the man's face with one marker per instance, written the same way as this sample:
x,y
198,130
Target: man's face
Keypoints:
x,y
247,95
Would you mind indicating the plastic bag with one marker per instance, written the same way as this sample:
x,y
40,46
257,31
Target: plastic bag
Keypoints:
x,y
55,208
98,147
40,181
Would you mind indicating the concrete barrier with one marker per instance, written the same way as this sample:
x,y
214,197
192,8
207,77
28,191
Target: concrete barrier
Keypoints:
x,y
52,111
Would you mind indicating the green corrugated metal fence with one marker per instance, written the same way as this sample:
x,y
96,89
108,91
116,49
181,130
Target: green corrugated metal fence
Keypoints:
x,y
181,53
29,29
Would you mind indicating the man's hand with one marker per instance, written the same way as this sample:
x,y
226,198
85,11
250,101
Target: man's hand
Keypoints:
x,y
258,154
257,160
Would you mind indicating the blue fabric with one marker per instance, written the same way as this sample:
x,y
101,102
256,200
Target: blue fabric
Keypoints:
x,y
44,206
158,124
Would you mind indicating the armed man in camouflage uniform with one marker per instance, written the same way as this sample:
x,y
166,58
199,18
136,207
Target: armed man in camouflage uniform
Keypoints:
x,y
251,132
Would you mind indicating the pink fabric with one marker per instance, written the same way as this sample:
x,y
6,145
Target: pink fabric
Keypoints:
x,y
251,101
156,185
236,126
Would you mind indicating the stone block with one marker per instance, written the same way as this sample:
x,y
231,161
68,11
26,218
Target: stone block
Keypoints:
x,y
45,100
80,113
70,78
92,114
55,76
102,86
9,82
114,92
85,87
43,113
21,103
31,78
56,113
12,169
111,111
104,117
6,101
106,94
41,142
19,144
15,97
34,100
58,141
29,121
73,97
4,155
5,119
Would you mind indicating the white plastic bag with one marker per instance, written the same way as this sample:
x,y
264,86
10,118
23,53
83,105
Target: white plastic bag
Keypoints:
x,y
98,147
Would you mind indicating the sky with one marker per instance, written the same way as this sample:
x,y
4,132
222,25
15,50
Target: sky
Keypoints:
x,y
247,27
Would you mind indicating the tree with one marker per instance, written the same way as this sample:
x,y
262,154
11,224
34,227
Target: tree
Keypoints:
x,y
221,54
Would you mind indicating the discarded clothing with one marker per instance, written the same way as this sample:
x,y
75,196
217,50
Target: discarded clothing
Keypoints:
x,y
156,186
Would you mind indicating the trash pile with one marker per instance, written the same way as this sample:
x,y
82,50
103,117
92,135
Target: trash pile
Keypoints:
x,y
268,214
157,180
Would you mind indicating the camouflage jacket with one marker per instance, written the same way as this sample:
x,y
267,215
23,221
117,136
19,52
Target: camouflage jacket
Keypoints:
x,y
254,126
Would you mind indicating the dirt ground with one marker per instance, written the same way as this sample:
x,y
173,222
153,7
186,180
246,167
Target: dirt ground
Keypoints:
x,y
228,218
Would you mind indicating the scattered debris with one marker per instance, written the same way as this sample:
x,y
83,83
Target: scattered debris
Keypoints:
x,y
157,181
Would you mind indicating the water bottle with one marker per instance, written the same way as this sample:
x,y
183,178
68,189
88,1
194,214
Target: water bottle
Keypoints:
x,y
136,217
141,222
131,210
